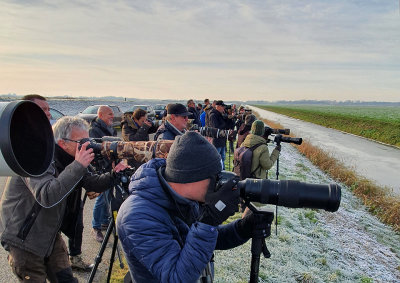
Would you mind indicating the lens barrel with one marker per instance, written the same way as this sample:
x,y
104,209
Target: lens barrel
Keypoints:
x,y
291,193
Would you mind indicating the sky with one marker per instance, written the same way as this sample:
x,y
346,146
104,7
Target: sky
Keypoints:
x,y
231,50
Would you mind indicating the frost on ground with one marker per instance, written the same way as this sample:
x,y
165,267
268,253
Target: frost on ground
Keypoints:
x,y
349,245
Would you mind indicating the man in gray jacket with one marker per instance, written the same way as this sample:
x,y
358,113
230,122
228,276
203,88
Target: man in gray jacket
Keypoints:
x,y
31,214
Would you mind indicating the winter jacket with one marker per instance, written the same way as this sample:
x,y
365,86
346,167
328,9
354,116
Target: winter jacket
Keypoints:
x,y
91,182
217,120
203,118
167,132
99,129
132,132
195,116
261,160
208,109
243,131
23,222
160,234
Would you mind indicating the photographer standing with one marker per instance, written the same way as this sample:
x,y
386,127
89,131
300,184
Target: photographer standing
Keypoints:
x,y
175,123
195,114
245,128
32,211
170,224
136,126
261,160
219,120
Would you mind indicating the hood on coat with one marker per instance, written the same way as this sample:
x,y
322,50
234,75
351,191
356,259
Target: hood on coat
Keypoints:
x,y
252,140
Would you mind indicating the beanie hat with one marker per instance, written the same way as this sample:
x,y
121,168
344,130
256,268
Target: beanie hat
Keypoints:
x,y
250,118
191,158
257,128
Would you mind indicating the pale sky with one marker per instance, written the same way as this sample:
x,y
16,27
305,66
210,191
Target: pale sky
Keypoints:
x,y
230,50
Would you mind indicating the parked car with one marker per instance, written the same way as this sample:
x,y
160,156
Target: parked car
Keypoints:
x,y
159,110
151,114
91,112
55,115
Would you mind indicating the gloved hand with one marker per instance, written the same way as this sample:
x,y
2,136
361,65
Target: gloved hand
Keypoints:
x,y
249,226
278,147
221,204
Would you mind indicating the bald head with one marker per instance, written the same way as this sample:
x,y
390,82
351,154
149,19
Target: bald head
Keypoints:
x,y
105,114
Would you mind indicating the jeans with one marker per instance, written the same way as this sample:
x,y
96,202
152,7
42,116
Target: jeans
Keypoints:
x,y
101,213
221,151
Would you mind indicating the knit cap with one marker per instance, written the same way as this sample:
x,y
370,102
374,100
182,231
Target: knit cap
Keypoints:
x,y
257,128
191,158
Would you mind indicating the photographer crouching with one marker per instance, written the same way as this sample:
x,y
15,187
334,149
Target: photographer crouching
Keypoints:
x,y
34,210
170,224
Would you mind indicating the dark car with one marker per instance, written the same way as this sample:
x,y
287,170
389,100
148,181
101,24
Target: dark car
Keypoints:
x,y
91,112
159,110
151,114
55,115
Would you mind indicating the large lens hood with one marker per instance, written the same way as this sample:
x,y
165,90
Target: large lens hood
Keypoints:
x,y
26,139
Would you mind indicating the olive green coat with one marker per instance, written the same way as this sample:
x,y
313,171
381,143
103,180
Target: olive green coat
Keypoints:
x,y
261,161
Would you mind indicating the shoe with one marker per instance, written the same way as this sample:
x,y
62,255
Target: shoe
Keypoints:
x,y
97,235
78,263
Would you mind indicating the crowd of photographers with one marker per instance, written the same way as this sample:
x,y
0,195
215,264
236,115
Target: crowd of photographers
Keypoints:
x,y
172,220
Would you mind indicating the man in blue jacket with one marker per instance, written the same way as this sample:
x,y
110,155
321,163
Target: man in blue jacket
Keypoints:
x,y
170,224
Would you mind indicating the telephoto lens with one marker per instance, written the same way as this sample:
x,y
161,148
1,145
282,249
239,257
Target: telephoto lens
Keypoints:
x,y
291,193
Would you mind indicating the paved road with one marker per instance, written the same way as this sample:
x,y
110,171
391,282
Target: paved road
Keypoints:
x,y
376,161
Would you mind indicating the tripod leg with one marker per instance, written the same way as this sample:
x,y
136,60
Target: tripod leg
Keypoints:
x,y
114,248
99,256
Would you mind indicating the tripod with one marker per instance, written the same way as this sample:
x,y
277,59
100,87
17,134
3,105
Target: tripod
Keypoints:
x,y
258,244
121,182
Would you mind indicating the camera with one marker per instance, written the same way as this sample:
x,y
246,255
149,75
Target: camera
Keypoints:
x,y
209,132
288,193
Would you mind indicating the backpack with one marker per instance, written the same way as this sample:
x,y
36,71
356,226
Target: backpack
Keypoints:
x,y
242,160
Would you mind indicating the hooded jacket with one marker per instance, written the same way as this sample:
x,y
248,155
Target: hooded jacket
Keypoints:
x,y
159,232
261,160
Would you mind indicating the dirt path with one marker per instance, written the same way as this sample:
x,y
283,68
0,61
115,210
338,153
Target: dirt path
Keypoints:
x,y
376,161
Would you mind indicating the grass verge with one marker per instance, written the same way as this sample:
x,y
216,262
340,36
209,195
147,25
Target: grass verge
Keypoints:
x,y
378,129
376,198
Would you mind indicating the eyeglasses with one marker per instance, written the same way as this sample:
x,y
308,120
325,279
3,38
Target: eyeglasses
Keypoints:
x,y
78,141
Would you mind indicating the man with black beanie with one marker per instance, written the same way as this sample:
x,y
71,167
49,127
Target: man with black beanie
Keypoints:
x,y
171,223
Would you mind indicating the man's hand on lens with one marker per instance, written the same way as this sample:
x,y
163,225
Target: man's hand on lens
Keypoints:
x,y
121,166
84,156
221,204
253,226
